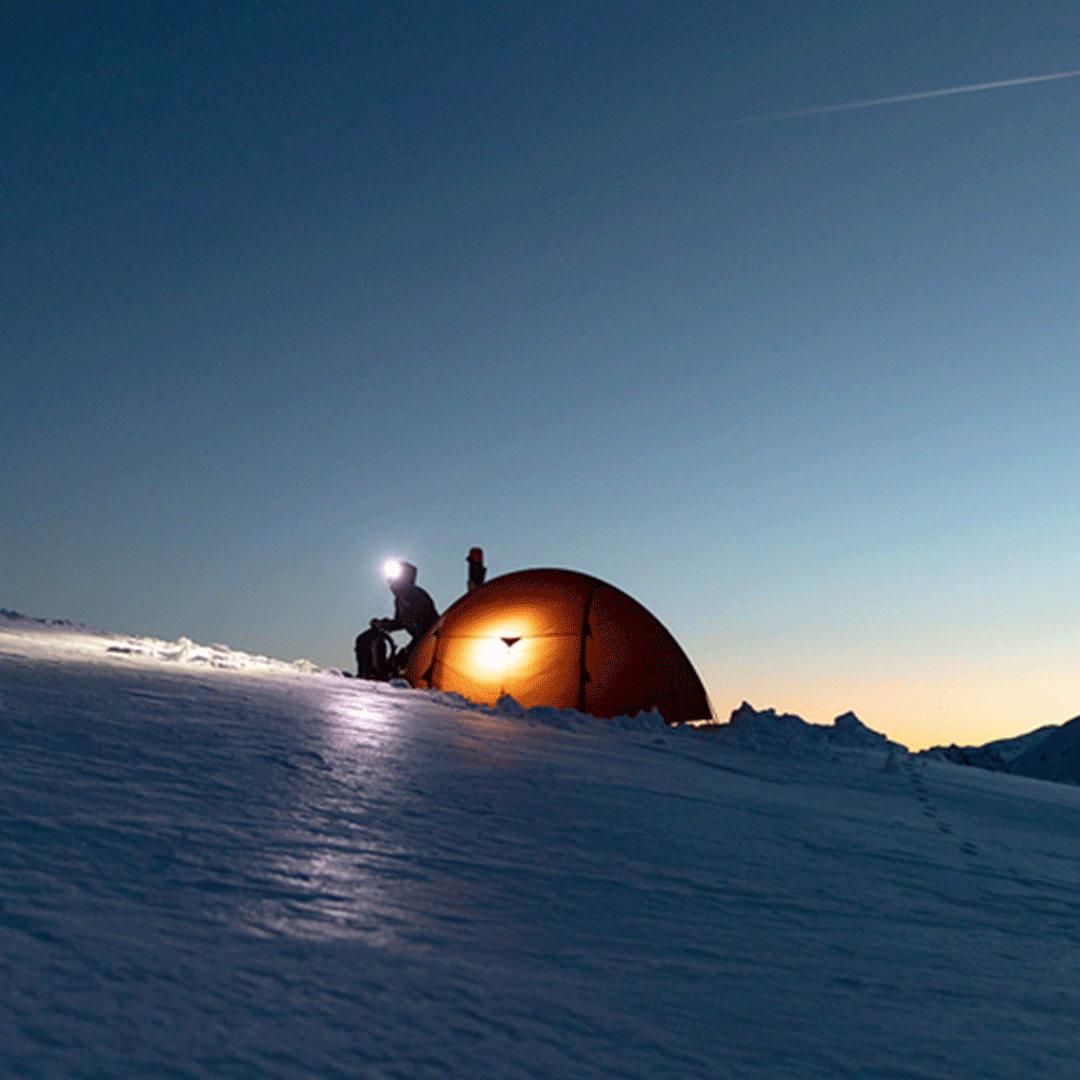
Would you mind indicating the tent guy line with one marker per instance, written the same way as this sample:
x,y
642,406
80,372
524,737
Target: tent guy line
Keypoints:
x,y
898,98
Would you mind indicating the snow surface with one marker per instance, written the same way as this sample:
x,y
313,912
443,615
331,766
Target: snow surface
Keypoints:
x,y
218,865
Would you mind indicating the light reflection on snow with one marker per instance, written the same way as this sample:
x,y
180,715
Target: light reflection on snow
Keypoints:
x,y
351,864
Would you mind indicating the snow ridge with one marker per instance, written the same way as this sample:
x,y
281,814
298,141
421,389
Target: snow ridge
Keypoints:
x,y
788,735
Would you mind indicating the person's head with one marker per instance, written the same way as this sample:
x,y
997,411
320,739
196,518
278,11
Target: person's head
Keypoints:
x,y
400,575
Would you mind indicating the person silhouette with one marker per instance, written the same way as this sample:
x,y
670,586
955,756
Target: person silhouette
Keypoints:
x,y
414,612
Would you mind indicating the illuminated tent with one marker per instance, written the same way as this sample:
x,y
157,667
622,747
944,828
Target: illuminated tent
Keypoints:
x,y
560,638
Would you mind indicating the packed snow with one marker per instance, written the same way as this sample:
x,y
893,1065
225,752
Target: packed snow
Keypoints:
x,y
222,865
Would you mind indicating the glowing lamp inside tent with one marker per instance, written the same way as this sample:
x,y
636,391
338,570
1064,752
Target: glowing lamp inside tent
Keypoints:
x,y
489,655
559,638
498,648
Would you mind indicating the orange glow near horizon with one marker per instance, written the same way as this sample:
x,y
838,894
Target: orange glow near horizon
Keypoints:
x,y
920,706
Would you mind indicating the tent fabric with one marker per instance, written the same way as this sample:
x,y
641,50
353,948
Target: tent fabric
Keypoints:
x,y
559,638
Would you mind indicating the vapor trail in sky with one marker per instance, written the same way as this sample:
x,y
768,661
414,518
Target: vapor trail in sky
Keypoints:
x,y
906,97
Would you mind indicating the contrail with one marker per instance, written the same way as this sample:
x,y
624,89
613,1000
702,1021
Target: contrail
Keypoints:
x,y
906,97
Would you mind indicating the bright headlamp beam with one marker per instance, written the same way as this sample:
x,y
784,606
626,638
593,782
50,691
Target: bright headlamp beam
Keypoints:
x,y
870,102
391,568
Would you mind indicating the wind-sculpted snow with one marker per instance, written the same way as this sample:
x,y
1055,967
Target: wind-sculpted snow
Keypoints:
x,y
766,731
212,872
545,715
60,637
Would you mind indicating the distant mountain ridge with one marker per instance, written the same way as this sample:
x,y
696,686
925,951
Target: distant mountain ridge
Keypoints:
x,y
1057,757
1051,752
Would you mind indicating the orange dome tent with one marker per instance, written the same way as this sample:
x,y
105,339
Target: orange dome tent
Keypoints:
x,y
560,638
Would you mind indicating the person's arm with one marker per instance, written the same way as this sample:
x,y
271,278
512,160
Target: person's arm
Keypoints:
x,y
395,623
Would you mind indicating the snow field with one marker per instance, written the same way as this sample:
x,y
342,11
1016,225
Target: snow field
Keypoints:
x,y
246,869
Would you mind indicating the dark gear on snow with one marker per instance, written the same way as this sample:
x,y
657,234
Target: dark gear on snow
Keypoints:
x,y
374,655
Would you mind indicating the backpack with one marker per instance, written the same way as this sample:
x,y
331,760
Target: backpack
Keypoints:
x,y
374,655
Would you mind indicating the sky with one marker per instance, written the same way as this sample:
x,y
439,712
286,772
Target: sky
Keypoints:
x,y
288,288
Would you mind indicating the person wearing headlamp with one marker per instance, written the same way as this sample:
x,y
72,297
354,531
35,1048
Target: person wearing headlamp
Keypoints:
x,y
414,610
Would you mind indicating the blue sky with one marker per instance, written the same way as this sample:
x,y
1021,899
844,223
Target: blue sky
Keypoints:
x,y
289,288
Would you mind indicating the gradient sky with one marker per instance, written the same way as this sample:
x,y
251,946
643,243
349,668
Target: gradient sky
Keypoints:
x,y
290,287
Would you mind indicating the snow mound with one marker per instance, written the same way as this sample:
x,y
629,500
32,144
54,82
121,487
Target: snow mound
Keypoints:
x,y
550,716
788,735
63,637
186,651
